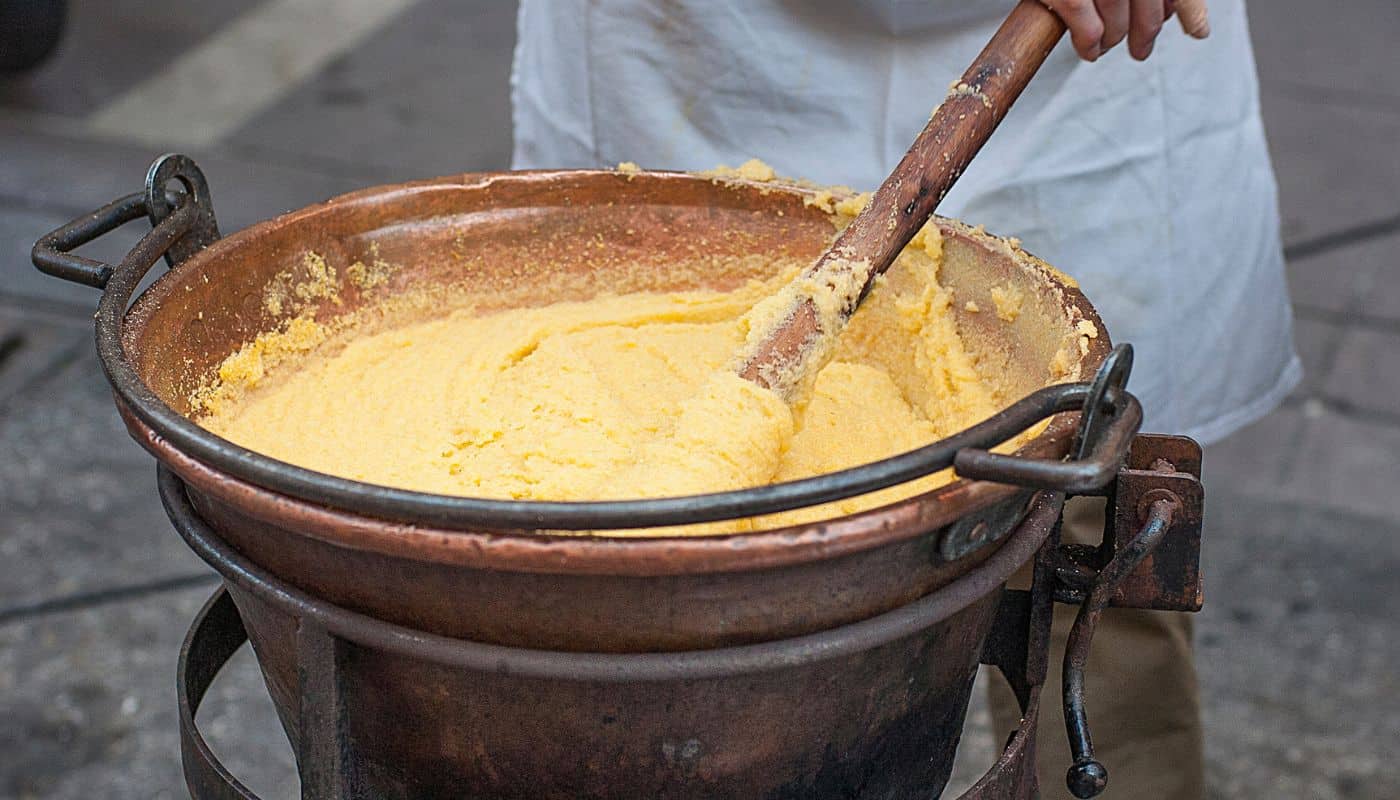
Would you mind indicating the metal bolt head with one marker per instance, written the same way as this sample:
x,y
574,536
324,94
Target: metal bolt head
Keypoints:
x,y
1144,506
983,527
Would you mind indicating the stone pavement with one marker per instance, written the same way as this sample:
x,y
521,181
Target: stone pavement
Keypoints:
x,y
1303,543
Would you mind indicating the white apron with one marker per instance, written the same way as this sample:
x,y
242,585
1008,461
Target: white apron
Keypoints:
x,y
1148,182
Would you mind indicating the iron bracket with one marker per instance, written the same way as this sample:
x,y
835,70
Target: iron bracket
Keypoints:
x,y
1158,467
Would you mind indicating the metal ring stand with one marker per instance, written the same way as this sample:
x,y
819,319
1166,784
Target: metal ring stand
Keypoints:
x,y
1017,647
217,634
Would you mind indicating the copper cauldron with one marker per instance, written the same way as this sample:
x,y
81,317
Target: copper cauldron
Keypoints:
x,y
491,571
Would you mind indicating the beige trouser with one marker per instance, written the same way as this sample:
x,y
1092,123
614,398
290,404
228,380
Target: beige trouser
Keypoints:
x,y
1142,700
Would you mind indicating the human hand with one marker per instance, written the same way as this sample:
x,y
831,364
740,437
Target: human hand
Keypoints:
x,y
1096,26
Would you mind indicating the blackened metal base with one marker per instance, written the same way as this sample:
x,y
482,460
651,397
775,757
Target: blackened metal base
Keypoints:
x,y
218,633
1136,570
339,681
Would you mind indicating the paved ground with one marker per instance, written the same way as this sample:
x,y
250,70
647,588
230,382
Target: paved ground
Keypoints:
x,y
1296,645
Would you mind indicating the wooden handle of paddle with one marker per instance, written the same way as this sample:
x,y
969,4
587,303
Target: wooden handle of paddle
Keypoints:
x,y
958,128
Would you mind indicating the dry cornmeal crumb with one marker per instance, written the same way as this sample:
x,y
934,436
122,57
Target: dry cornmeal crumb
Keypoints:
x,y
1008,300
838,200
293,290
372,275
751,170
959,88
245,369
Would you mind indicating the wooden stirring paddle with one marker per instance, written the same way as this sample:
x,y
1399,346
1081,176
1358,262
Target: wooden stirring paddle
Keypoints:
x,y
794,342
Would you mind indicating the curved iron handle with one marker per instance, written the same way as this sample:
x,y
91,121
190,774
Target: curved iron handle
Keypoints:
x,y
51,253
1111,418
182,224
1087,777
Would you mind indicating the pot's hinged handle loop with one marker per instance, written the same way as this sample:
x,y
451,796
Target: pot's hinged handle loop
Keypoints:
x,y
182,223
1149,559
1109,419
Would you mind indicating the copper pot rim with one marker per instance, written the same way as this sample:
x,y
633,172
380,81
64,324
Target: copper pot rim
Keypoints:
x,y
542,549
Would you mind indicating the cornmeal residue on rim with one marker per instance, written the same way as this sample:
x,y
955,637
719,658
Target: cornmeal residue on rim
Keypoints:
x,y
751,170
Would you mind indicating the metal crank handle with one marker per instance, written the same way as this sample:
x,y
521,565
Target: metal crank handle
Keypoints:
x,y
1086,776
182,224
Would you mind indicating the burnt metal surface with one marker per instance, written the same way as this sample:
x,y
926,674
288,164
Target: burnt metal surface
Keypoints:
x,y
1086,776
872,709
218,632
1019,642
1169,579
243,574
1107,425
182,225
160,204
982,527
51,253
1013,776
1101,409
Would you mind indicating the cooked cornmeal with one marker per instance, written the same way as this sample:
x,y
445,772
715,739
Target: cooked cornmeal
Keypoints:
x,y
619,396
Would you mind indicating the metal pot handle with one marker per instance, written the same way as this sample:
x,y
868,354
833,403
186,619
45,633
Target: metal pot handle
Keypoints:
x,y
1109,421
182,224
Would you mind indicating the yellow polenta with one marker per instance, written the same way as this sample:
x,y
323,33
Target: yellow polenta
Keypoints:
x,y
620,396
